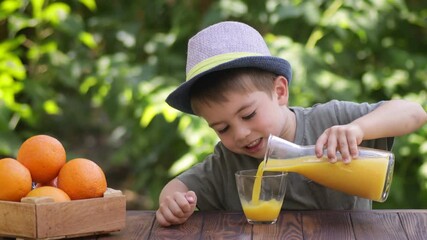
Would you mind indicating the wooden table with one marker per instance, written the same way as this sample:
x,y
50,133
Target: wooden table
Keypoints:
x,y
375,224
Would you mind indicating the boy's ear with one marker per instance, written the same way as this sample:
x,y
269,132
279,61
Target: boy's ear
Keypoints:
x,y
281,90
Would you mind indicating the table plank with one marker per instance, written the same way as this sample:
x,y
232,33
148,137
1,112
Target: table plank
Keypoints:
x,y
138,226
377,225
327,225
288,226
225,225
191,229
320,224
415,224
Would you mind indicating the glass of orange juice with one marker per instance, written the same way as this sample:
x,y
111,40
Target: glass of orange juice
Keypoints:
x,y
261,194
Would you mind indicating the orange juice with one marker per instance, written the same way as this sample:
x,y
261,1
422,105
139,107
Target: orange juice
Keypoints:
x,y
262,210
264,206
363,177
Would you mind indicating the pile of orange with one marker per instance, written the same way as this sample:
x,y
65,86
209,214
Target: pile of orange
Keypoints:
x,y
41,161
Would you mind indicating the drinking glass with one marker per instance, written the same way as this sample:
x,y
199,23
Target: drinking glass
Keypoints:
x,y
261,195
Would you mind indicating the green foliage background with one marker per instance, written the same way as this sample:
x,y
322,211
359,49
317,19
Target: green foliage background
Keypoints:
x,y
94,74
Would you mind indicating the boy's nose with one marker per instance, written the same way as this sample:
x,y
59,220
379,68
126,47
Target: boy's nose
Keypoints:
x,y
241,133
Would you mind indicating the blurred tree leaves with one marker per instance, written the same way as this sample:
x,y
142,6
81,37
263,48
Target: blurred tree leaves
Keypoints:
x,y
95,74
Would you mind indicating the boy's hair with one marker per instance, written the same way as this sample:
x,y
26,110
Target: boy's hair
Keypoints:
x,y
216,85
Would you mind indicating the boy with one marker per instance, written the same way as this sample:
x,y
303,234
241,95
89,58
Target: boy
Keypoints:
x,y
242,92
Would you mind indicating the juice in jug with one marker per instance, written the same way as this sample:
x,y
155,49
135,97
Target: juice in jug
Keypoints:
x,y
369,176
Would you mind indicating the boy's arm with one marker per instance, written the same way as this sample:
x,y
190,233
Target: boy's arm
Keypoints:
x,y
176,203
392,118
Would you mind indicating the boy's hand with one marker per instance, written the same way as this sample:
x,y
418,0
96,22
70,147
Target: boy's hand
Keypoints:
x,y
342,138
176,208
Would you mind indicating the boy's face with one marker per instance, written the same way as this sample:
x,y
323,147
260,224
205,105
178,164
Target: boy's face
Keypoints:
x,y
244,122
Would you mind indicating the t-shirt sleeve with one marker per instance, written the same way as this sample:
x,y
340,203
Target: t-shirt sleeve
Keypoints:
x,y
336,112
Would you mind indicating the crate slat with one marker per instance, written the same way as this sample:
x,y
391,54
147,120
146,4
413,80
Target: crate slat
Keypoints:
x,y
40,218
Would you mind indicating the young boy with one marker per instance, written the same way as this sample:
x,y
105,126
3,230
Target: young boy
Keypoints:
x,y
242,92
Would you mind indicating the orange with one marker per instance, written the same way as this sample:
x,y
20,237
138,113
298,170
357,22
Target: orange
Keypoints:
x,y
82,178
15,180
47,191
43,155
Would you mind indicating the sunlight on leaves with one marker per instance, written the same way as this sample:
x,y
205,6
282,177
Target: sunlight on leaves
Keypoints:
x,y
423,171
148,114
100,95
56,13
37,6
38,51
371,81
404,150
184,122
125,98
126,38
90,4
9,6
233,7
170,114
416,139
87,39
7,94
24,110
145,88
13,66
315,36
423,148
396,79
17,23
182,164
51,107
87,84
331,81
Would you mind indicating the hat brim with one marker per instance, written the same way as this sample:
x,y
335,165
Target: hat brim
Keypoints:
x,y
180,98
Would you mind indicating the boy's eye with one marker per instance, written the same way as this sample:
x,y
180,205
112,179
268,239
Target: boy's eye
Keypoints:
x,y
223,130
249,116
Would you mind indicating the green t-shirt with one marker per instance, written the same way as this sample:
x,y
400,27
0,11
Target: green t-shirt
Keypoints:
x,y
214,183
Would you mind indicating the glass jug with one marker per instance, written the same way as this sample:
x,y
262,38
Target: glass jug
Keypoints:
x,y
368,176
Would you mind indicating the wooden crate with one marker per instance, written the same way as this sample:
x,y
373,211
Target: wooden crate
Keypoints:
x,y
41,218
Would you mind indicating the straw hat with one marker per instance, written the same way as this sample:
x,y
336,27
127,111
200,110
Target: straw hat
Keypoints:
x,y
225,45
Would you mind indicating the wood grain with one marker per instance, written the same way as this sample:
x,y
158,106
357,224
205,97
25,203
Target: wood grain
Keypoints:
x,y
41,218
377,225
415,224
326,225
191,229
138,226
225,225
17,219
75,218
374,224
288,226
